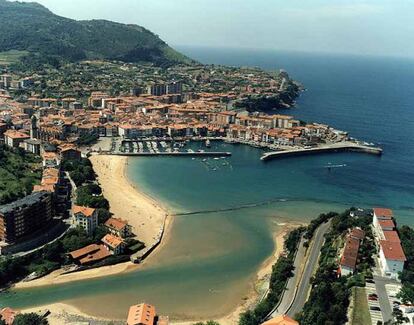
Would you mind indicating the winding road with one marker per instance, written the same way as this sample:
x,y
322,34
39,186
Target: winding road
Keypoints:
x,y
296,293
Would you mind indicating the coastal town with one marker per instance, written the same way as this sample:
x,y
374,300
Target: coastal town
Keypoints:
x,y
206,163
71,136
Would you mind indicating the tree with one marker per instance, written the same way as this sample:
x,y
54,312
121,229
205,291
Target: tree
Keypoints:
x,y
406,293
399,317
30,319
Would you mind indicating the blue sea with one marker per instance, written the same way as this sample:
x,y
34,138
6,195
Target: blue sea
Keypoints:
x,y
209,263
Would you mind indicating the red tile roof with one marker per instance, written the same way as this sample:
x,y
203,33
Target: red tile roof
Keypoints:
x,y
392,250
142,314
116,223
90,253
392,236
357,233
13,134
350,254
383,212
7,314
87,212
281,320
112,240
386,224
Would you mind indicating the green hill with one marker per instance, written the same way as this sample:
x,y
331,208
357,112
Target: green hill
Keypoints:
x,y
32,27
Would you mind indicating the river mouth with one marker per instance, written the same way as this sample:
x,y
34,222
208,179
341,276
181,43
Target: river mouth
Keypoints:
x,y
220,236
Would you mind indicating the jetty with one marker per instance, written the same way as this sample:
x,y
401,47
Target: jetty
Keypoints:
x,y
345,146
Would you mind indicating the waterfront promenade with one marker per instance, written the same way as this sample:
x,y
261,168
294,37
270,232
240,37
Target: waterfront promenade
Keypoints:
x,y
345,146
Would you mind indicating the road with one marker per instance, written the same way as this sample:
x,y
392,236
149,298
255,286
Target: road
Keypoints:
x,y
311,264
293,299
383,300
289,292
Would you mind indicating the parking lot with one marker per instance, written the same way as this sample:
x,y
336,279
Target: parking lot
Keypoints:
x,y
373,303
392,291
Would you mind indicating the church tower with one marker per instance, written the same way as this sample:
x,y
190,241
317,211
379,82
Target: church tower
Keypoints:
x,y
34,130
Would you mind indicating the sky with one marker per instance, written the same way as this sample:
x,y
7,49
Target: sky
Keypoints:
x,y
371,27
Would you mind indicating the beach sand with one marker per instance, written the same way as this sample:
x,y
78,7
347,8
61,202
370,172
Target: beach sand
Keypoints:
x,y
142,212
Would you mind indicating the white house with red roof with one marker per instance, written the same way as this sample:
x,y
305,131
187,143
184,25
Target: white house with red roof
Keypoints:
x,y
392,258
85,217
391,253
382,221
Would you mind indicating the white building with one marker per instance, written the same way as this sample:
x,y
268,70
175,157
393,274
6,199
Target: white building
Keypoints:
x,y
85,217
382,220
392,258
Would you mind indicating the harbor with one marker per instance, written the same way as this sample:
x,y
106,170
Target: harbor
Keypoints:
x,y
162,147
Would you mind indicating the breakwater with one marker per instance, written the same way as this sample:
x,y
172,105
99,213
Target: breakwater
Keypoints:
x,y
342,147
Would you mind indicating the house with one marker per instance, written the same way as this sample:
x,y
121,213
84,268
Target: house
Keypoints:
x,y
349,257
382,220
142,314
50,159
85,217
33,146
392,258
357,233
119,227
281,320
89,254
13,138
114,244
7,315
70,153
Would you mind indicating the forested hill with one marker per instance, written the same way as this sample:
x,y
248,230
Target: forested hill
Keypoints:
x,y
32,27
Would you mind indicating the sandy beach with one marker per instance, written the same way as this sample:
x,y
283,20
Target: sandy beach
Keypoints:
x,y
144,214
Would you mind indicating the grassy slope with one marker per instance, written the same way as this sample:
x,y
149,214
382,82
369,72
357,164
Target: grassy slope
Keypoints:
x,y
360,315
10,57
18,174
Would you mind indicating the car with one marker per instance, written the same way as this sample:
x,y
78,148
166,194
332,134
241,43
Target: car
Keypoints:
x,y
375,308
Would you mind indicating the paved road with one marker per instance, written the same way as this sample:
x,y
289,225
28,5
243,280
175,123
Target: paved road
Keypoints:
x,y
311,264
293,300
384,302
289,292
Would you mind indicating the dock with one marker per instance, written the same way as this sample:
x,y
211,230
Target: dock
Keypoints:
x,y
331,148
172,154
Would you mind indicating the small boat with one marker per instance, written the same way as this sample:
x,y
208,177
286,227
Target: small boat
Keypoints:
x,y
208,143
216,158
